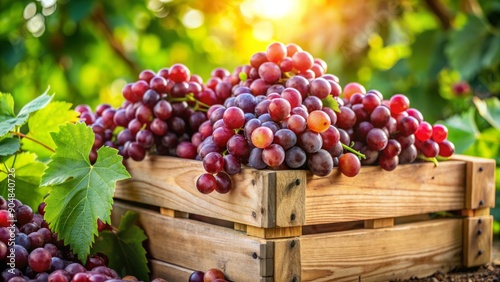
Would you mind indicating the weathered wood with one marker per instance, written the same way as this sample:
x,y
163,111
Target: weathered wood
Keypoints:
x,y
290,198
379,223
273,233
480,182
173,213
169,272
400,252
478,240
416,188
171,183
197,245
287,264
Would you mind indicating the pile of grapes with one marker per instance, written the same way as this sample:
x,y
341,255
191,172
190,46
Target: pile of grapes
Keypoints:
x,y
29,251
281,111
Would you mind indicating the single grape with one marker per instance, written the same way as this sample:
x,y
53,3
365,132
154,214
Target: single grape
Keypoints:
x,y
310,141
318,121
206,183
295,157
346,118
302,61
349,164
179,73
196,276
213,162
399,103
212,274
273,155
255,159
380,116
439,133
276,52
376,139
446,149
320,163
320,88
262,137
238,146
388,163
224,183
429,148
351,88
424,131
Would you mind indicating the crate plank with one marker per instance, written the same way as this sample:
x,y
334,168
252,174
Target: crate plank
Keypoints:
x,y
478,240
399,252
197,245
169,272
480,182
171,183
287,261
416,188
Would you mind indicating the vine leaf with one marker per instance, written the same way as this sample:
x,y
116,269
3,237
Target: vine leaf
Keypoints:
x,y
28,172
45,121
9,146
9,122
81,192
489,109
124,248
6,106
331,103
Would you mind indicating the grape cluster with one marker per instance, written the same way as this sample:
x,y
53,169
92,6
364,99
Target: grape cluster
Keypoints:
x,y
276,112
211,275
29,251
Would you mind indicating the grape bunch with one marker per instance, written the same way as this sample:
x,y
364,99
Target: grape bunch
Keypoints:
x,y
211,275
283,110
29,251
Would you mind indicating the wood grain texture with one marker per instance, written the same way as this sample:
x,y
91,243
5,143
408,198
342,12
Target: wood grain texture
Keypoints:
x,y
290,198
480,182
417,188
478,240
287,264
171,183
416,249
197,245
169,272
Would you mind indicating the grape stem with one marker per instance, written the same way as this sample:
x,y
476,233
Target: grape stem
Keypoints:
x,y
433,160
360,155
34,140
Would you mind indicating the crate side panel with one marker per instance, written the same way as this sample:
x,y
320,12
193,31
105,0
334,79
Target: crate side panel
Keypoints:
x,y
374,193
171,183
197,245
169,272
400,252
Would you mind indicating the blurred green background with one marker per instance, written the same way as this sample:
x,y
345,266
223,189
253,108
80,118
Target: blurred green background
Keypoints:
x,y
443,54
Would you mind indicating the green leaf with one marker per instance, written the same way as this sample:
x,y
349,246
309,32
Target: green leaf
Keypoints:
x,y
28,172
491,59
462,130
124,248
6,106
9,123
489,109
465,47
9,146
81,192
45,121
331,103
487,145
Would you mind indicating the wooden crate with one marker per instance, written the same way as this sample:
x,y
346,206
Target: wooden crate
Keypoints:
x,y
292,226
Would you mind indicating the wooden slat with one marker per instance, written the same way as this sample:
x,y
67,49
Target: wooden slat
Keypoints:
x,y
416,188
273,233
169,272
400,252
171,183
480,182
290,198
379,223
478,240
197,245
173,213
287,264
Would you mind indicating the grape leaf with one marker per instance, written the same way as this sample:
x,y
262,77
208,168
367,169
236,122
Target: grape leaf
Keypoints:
x,y
489,109
487,145
81,192
462,130
124,248
465,47
45,121
6,106
10,122
331,103
9,146
28,172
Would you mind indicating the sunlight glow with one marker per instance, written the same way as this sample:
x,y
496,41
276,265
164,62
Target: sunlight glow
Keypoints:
x,y
193,18
270,9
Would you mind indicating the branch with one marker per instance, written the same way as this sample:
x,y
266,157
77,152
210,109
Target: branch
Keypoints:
x,y
101,23
442,13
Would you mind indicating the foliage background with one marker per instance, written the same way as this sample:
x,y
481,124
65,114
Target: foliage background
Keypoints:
x,y
443,54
